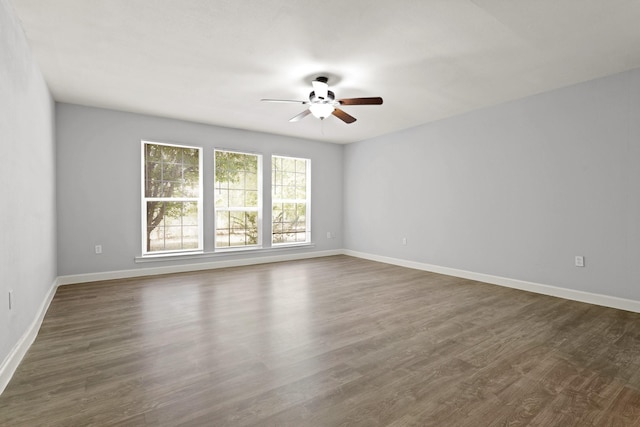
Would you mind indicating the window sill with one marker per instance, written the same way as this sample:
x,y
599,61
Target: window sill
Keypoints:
x,y
219,253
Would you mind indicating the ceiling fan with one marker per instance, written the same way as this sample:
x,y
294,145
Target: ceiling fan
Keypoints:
x,y
323,103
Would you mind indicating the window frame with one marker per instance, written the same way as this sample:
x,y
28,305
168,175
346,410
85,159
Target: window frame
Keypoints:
x,y
259,209
144,201
307,201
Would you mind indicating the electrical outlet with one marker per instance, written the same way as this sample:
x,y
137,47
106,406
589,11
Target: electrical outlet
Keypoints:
x,y
98,249
579,261
329,236
10,299
404,241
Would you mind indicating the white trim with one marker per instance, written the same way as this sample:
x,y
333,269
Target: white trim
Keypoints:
x,y
220,252
152,271
19,350
570,294
17,353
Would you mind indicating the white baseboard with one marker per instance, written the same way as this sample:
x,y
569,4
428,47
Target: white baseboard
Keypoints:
x,y
570,294
153,271
17,353
13,359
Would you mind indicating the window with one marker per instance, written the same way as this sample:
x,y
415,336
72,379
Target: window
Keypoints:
x,y
238,199
172,198
290,195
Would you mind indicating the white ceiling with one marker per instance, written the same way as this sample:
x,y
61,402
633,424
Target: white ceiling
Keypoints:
x,y
211,61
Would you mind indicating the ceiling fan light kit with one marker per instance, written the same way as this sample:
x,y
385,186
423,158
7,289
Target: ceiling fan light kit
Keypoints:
x,y
322,103
321,110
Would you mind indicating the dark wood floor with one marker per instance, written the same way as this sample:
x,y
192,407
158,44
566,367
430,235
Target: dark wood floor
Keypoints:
x,y
324,342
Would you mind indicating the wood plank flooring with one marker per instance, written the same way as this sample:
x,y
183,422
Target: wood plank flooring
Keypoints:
x,y
334,341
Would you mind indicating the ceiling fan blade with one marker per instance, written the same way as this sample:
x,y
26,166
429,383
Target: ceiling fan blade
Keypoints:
x,y
347,118
302,115
320,88
284,100
376,100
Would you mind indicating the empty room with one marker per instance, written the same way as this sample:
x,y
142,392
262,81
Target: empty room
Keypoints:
x,y
338,213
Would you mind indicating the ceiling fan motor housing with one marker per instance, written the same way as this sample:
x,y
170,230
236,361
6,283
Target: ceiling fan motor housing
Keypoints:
x,y
317,100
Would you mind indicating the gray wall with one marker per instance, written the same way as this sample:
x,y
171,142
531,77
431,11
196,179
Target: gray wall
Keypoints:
x,y
99,184
515,190
27,192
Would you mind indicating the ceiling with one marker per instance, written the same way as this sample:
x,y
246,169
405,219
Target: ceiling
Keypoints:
x,y
211,61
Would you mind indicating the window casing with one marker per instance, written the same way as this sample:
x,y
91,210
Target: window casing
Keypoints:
x,y
290,200
171,198
238,200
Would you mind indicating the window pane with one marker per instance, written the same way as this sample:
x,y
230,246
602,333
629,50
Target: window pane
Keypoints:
x,y
251,180
237,220
251,198
222,228
156,239
172,238
236,198
289,210
289,192
288,164
301,193
222,238
238,181
171,172
152,152
222,220
170,153
222,198
276,212
301,180
287,178
277,191
190,214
